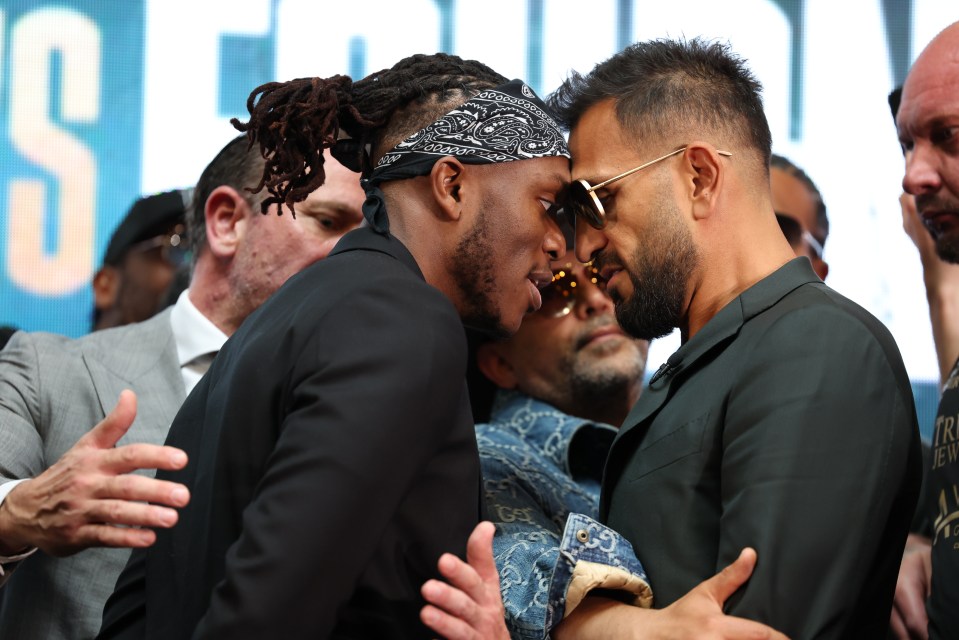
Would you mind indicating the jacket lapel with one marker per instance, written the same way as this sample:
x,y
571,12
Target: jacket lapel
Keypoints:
x,y
143,358
717,333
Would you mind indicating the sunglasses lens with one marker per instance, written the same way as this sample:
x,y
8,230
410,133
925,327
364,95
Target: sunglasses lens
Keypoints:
x,y
558,294
593,274
791,229
583,204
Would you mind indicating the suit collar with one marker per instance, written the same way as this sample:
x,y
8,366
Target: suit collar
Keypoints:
x,y
365,238
124,357
720,328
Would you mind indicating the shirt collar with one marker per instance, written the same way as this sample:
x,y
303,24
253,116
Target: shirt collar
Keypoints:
x,y
193,332
551,431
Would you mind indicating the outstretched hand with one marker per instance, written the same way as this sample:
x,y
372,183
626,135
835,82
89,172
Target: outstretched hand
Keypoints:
x,y
88,497
698,614
470,607
702,608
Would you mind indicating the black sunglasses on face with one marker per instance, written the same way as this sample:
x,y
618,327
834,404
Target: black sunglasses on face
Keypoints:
x,y
796,235
172,246
586,205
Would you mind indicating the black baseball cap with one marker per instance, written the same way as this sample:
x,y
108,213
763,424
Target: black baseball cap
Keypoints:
x,y
147,218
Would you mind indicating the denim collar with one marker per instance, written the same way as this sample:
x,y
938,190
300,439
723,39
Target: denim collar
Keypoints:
x,y
551,432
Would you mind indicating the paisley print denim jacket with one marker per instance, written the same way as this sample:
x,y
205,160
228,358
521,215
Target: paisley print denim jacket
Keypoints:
x,y
541,477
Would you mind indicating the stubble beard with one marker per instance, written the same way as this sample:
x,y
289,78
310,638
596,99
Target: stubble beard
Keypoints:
x,y
471,266
947,246
947,242
596,380
659,271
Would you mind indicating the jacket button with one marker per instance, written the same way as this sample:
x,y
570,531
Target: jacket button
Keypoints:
x,y
582,535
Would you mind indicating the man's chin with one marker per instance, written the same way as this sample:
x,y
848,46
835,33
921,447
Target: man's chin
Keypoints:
x,y
947,246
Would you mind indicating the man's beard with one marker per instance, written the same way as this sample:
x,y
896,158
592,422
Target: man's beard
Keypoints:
x,y
471,266
947,242
595,375
659,271
947,246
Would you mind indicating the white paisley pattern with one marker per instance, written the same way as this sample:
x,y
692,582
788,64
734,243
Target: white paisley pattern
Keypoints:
x,y
531,493
494,126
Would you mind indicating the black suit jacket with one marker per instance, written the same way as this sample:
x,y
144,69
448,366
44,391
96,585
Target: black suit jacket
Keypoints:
x,y
786,424
332,461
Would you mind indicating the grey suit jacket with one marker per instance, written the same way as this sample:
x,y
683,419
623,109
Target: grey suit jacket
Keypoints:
x,y
52,390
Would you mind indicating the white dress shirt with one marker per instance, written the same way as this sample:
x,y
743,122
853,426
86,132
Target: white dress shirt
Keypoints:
x,y
197,340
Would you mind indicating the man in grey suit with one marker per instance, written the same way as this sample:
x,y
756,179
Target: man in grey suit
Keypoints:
x,y
74,494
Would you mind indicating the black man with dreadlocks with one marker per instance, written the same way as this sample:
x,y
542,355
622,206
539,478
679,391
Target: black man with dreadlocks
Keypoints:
x,y
332,452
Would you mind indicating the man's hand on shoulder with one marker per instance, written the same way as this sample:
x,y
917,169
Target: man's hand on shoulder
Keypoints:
x,y
88,498
698,614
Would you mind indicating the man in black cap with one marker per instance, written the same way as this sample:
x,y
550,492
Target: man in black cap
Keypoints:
x,y
140,261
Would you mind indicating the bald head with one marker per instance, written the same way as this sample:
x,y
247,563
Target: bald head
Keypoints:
x,y
928,124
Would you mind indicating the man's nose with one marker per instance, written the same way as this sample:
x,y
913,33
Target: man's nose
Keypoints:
x,y
591,299
554,244
589,241
922,171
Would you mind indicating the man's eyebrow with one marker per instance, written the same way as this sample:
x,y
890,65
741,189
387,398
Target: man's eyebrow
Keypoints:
x,y
560,179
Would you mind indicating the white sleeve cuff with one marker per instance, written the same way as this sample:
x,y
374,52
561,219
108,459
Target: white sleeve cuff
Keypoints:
x,y
6,488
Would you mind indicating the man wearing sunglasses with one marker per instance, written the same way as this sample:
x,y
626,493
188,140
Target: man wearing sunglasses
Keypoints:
x,y
800,212
785,421
564,382
560,388
144,252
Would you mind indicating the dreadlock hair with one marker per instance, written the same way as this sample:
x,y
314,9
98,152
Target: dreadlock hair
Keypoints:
x,y
788,167
293,122
236,166
671,89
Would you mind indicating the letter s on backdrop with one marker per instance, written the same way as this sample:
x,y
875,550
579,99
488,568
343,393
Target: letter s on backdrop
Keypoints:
x,y
34,38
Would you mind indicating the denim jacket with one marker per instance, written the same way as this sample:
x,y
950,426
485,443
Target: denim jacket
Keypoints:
x,y
541,477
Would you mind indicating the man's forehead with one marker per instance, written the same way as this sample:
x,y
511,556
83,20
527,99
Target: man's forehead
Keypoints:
x,y
551,172
927,99
933,82
598,143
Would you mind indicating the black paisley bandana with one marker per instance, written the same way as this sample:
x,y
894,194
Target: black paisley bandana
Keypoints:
x,y
503,124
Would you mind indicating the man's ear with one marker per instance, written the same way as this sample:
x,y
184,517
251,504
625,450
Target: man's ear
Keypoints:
x,y
106,284
492,363
227,214
706,173
446,185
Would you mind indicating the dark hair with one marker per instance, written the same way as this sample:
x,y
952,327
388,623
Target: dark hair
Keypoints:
x,y
6,332
894,99
664,87
822,221
293,122
237,166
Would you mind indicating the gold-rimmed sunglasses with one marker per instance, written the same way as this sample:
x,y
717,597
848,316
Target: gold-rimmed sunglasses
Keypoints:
x,y
585,204
559,296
